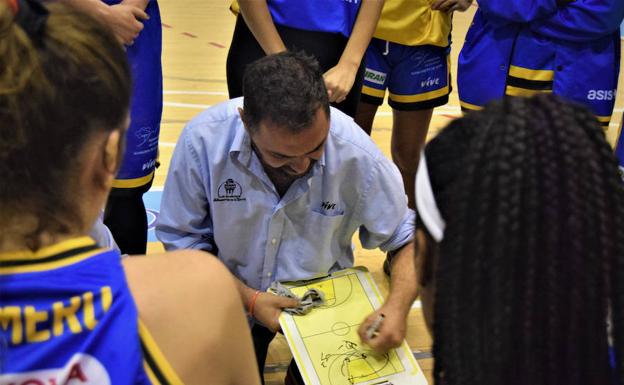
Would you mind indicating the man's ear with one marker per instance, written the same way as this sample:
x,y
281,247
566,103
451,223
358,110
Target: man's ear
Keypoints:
x,y
241,112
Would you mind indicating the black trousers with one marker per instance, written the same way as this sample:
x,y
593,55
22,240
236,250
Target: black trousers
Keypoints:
x,y
325,47
262,337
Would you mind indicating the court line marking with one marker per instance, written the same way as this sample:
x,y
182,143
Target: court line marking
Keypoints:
x,y
191,92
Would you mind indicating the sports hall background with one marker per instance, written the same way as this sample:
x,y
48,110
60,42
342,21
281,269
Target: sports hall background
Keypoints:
x,y
196,38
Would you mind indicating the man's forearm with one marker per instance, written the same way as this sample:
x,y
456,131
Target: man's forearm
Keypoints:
x,y
245,292
404,278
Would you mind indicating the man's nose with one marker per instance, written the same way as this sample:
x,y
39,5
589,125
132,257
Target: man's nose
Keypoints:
x,y
300,165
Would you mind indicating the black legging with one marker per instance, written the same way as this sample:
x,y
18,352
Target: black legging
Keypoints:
x,y
126,218
325,47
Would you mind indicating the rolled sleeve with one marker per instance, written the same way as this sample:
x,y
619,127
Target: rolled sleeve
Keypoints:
x,y
184,221
386,220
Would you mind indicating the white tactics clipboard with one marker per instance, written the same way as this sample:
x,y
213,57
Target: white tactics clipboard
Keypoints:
x,y
325,343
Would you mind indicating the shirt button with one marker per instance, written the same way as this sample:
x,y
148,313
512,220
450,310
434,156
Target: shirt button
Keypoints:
x,y
269,274
273,241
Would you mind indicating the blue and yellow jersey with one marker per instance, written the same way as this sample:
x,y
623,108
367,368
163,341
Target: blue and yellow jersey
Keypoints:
x,y
413,22
519,48
66,313
332,16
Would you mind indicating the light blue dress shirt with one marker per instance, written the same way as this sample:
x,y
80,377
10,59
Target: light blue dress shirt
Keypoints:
x,y
217,193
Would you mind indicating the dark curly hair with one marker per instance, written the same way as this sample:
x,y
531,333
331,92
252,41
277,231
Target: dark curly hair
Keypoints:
x,y
286,89
532,261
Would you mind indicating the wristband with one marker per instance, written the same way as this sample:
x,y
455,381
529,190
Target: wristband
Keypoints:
x,y
252,302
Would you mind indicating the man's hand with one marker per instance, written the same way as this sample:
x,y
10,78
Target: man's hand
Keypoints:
x,y
391,331
268,308
339,80
125,21
451,5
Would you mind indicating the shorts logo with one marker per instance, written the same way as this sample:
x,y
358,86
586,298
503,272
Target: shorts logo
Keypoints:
x,y
601,94
149,165
430,82
143,134
375,76
229,190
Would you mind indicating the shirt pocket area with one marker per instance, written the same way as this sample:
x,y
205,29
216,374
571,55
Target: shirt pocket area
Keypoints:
x,y
320,242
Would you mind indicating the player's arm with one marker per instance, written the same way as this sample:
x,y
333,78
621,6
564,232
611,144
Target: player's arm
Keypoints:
x,y
184,221
142,4
258,19
451,5
123,19
340,78
195,316
582,21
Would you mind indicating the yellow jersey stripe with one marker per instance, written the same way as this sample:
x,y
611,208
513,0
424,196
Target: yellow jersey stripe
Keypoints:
x,y
48,251
131,183
517,91
529,74
155,359
468,106
420,97
150,374
604,119
36,267
370,91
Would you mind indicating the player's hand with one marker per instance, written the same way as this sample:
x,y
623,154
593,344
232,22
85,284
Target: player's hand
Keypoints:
x,y
338,81
451,5
390,333
142,4
125,21
268,308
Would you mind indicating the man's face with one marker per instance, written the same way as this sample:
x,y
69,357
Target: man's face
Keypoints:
x,y
291,154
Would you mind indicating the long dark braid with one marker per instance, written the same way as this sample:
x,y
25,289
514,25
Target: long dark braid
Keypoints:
x,y
533,253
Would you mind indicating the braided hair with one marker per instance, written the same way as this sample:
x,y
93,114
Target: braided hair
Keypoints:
x,y
531,266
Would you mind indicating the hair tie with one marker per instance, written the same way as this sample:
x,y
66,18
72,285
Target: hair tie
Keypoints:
x,y
31,16
426,207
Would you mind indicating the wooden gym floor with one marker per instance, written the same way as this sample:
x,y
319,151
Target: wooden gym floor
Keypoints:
x,y
196,37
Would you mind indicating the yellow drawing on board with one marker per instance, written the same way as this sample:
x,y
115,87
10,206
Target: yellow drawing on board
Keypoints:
x,y
330,339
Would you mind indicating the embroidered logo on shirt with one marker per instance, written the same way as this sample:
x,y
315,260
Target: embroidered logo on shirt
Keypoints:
x,y
229,190
327,205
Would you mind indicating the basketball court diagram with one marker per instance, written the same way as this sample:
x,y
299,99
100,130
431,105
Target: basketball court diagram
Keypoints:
x,y
325,342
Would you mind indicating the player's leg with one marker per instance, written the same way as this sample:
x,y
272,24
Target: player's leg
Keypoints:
x,y
244,49
126,218
125,212
619,147
366,115
374,83
409,131
418,83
